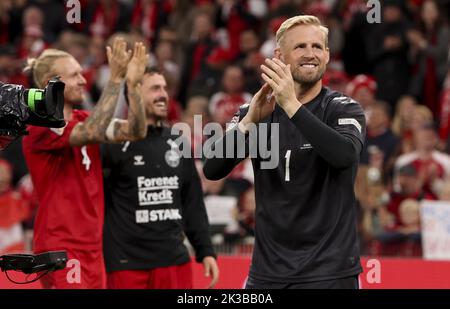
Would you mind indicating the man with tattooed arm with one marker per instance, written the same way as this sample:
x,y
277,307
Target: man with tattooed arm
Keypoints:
x,y
65,163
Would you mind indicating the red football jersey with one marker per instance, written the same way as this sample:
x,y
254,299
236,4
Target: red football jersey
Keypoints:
x,y
69,184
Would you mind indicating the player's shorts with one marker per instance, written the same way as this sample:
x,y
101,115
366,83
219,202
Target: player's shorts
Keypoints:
x,y
341,283
84,270
171,277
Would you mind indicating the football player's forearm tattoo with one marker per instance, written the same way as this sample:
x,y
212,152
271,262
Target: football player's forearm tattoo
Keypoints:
x,y
94,127
136,116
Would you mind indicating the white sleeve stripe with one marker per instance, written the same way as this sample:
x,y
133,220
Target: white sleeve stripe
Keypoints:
x,y
110,129
344,100
353,121
59,131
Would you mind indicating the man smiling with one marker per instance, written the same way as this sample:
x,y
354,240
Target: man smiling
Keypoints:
x,y
156,199
306,233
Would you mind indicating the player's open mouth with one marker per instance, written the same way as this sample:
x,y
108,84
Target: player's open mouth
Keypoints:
x,y
160,104
308,65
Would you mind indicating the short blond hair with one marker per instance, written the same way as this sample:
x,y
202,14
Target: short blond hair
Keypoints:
x,y
301,20
42,67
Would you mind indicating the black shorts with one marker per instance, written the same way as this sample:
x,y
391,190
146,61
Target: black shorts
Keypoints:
x,y
341,283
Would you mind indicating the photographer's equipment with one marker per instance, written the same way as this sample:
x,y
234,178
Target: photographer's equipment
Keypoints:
x,y
29,264
20,107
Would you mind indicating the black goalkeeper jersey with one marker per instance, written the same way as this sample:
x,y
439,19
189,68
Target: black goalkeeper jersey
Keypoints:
x,y
153,199
306,227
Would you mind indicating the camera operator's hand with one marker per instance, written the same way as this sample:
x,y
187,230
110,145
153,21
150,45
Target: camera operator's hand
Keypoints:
x,y
136,67
118,58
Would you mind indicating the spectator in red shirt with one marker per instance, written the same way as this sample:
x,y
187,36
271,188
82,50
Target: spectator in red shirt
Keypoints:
x,y
432,166
407,186
65,163
404,239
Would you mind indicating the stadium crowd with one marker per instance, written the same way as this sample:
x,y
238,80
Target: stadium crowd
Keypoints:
x,y
210,52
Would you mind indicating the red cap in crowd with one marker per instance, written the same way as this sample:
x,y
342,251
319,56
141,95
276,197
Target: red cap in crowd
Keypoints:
x,y
361,81
332,77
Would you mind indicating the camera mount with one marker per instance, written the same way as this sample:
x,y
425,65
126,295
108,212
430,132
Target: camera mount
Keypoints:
x,y
30,263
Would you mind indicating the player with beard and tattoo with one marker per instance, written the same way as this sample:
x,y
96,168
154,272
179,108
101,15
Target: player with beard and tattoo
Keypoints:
x,y
306,227
154,199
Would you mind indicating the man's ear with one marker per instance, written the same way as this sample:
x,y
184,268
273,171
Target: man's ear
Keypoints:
x,y
278,54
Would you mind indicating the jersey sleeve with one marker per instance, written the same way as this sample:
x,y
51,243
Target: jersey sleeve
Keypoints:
x,y
49,139
195,218
53,139
338,138
217,168
243,110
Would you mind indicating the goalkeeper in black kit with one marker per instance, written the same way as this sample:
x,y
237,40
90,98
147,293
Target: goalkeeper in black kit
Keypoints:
x,y
154,198
306,223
